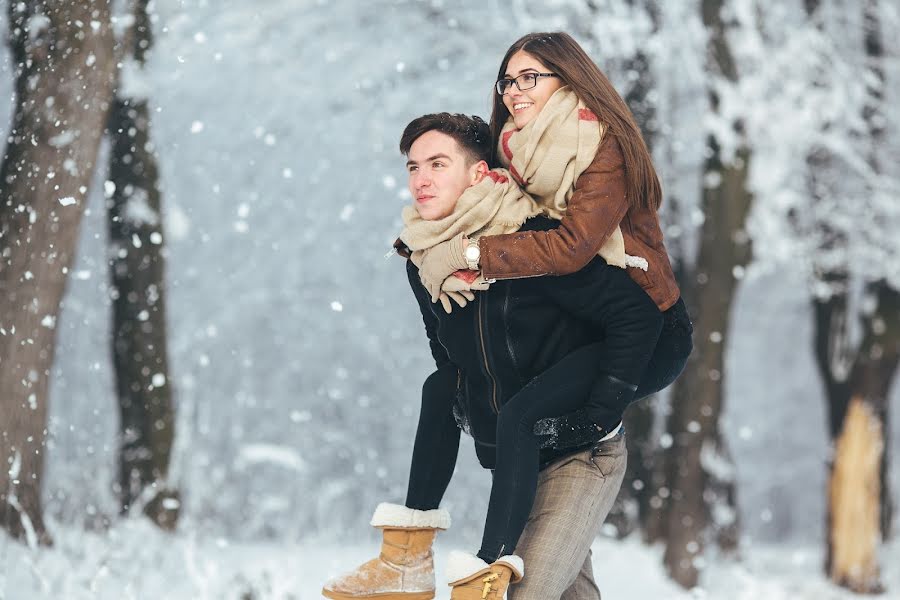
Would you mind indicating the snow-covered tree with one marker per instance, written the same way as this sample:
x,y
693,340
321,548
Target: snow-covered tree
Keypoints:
x,y
137,261
697,477
856,370
63,52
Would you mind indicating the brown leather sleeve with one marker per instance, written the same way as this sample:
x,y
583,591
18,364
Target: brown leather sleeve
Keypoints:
x,y
595,210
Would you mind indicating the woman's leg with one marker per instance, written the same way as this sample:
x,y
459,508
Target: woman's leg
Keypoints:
x,y
437,443
560,389
574,496
671,354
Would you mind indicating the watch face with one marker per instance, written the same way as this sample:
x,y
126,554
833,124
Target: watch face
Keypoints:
x,y
472,253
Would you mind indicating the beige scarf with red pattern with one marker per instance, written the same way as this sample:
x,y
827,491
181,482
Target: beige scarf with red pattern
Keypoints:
x,y
547,156
493,206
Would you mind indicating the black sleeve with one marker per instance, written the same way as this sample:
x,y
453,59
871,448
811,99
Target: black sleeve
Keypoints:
x,y
428,317
608,299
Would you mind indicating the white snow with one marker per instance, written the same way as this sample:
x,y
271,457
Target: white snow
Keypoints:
x,y
253,454
134,560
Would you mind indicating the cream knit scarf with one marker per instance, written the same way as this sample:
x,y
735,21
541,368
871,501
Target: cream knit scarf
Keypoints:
x,y
548,155
493,206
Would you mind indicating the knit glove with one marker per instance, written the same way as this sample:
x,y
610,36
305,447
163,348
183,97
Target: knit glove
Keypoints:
x,y
439,262
459,287
461,298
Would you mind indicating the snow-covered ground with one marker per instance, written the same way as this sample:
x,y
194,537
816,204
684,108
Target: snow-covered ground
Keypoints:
x,y
135,561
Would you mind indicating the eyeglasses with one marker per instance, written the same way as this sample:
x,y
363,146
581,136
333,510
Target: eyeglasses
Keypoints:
x,y
525,81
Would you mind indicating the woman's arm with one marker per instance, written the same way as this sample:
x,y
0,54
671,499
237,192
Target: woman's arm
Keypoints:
x,y
594,211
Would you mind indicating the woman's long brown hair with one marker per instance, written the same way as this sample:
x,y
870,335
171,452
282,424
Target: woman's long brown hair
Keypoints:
x,y
560,53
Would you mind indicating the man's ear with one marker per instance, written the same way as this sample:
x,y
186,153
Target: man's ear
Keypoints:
x,y
479,171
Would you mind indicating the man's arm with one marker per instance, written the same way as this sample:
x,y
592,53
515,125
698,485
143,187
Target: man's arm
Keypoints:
x,y
441,358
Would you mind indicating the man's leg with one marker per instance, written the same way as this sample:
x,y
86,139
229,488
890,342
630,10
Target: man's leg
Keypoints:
x,y
584,588
573,498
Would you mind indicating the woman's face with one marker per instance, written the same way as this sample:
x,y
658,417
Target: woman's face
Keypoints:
x,y
525,106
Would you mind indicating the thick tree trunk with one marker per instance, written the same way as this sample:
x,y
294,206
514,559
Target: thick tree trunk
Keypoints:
x,y
139,346
65,65
873,114
857,491
699,499
857,380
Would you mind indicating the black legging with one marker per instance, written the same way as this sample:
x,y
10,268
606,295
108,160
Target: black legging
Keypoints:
x,y
437,442
552,394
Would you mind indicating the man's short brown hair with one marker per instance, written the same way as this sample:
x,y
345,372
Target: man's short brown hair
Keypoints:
x,y
471,133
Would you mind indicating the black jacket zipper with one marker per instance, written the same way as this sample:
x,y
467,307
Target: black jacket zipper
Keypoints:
x,y
482,315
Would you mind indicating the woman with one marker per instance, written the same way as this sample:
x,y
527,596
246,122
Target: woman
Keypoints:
x,y
619,189
616,193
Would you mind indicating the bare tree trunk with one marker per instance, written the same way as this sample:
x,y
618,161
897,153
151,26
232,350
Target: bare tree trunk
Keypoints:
x,y
858,425
139,346
696,483
857,381
65,64
889,312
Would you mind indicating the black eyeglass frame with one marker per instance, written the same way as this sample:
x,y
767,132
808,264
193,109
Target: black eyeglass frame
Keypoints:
x,y
515,80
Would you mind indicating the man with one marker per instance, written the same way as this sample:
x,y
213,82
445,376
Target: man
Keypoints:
x,y
537,335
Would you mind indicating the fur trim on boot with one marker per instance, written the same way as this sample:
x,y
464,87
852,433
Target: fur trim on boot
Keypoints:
x,y
405,568
473,579
397,515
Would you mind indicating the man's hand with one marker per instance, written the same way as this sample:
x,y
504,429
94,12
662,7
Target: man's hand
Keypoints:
x,y
462,298
460,288
465,280
439,262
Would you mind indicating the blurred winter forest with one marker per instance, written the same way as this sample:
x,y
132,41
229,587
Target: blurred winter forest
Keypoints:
x,y
199,323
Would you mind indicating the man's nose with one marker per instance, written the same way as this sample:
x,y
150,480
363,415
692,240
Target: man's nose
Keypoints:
x,y
421,179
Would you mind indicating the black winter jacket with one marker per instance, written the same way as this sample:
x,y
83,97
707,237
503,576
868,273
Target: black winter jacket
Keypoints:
x,y
515,331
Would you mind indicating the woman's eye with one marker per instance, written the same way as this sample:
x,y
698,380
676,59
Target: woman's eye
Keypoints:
x,y
528,79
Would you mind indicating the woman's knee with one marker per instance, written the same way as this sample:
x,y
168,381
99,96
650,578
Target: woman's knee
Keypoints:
x,y
514,422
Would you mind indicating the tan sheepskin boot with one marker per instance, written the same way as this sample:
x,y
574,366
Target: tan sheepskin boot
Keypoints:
x,y
405,568
473,579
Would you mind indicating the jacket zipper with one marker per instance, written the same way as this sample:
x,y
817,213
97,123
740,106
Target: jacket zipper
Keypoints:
x,y
482,307
509,343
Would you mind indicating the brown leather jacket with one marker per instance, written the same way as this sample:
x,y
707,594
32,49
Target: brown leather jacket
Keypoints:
x,y
596,207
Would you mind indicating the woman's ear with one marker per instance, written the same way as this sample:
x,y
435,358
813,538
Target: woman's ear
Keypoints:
x,y
479,170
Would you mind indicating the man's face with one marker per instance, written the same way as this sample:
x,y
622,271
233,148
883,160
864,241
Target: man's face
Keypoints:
x,y
438,174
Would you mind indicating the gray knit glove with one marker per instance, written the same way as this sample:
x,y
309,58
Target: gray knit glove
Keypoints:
x,y
441,261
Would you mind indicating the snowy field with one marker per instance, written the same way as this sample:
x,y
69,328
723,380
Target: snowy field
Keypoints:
x,y
135,561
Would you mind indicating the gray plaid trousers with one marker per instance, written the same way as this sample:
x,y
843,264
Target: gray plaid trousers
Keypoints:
x,y
574,495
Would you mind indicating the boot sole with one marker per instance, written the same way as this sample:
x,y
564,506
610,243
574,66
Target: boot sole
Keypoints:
x,y
382,596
